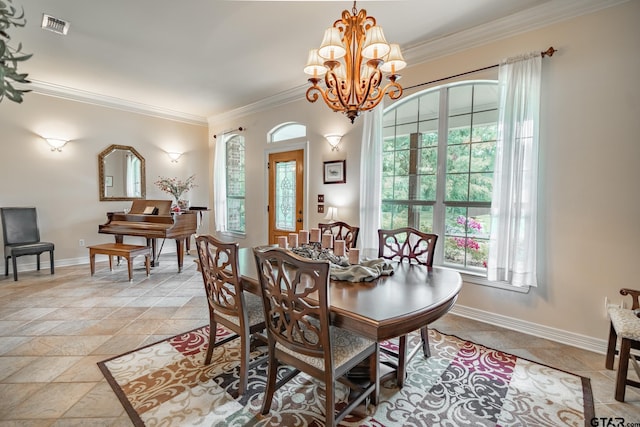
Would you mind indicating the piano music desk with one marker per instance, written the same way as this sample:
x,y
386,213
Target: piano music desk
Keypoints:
x,y
120,250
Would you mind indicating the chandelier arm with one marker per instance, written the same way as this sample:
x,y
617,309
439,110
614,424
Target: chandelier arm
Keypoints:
x,y
333,88
312,96
394,90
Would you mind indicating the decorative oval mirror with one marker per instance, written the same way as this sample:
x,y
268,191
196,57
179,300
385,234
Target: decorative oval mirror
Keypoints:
x,y
121,174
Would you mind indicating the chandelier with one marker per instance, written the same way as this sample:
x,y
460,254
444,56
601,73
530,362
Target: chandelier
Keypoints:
x,y
351,60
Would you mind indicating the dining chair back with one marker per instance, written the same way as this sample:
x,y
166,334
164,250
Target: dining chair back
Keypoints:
x,y
300,334
229,305
413,246
407,243
341,231
22,237
625,327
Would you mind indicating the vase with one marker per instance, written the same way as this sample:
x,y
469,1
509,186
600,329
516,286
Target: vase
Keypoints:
x,y
183,204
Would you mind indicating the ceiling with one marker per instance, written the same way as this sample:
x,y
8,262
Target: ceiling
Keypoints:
x,y
201,58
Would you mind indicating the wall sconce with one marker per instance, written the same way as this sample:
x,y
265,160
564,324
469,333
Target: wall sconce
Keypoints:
x,y
56,144
333,140
332,214
174,156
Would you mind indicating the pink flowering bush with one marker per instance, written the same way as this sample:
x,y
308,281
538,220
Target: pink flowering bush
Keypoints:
x,y
463,247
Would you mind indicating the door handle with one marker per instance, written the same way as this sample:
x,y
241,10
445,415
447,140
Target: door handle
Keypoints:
x,y
299,219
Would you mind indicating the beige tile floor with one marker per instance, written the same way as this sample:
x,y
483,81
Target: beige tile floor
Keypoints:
x,y
53,330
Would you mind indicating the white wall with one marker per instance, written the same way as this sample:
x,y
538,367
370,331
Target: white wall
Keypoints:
x,y
64,186
590,123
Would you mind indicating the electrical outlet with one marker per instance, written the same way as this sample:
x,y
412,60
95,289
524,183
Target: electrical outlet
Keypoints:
x,y
81,242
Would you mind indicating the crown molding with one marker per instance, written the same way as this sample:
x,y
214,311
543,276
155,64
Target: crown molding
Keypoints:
x,y
537,17
79,95
282,98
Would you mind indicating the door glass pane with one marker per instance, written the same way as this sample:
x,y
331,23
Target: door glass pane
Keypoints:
x,y
286,195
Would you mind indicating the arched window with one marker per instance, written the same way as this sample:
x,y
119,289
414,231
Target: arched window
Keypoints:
x,y
438,157
287,131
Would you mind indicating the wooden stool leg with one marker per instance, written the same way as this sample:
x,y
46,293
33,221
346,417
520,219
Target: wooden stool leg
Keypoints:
x,y
92,261
130,267
110,263
623,365
147,263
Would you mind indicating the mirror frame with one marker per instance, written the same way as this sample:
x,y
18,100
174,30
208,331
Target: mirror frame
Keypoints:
x,y
101,176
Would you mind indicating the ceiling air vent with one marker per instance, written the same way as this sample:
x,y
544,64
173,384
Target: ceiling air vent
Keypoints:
x,y
56,25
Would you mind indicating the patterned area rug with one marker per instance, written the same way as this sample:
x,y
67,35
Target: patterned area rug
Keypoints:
x,y
462,383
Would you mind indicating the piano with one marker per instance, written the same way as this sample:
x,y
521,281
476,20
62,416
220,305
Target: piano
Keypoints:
x,y
153,220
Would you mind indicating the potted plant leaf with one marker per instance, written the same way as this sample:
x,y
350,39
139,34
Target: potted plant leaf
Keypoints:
x,y
10,57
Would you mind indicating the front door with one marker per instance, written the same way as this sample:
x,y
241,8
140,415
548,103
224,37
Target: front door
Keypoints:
x,y
286,172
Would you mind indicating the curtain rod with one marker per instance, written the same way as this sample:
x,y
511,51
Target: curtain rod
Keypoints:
x,y
239,129
549,52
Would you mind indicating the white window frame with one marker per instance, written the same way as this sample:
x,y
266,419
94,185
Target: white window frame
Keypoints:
x,y
439,205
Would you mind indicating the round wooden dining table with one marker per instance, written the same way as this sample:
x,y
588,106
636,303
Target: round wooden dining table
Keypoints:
x,y
386,307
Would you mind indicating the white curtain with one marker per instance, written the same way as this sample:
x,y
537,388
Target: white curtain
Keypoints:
x,y
512,248
220,184
370,180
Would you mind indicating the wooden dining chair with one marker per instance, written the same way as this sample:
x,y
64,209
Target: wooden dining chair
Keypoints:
x,y
407,244
625,325
341,231
239,311
300,333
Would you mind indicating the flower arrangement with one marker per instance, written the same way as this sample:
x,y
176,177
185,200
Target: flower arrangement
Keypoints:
x,y
176,187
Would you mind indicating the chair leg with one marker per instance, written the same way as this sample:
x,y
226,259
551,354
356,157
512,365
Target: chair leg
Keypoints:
x,y
623,365
38,261
51,261
6,265
213,326
330,401
611,347
244,361
374,374
15,268
270,388
424,334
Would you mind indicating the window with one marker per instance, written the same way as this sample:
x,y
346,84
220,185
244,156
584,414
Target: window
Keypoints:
x,y
235,184
287,131
437,169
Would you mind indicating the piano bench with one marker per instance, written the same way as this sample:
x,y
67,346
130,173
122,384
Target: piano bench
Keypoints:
x,y
120,250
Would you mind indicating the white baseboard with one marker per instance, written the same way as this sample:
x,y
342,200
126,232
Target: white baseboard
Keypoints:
x,y
576,340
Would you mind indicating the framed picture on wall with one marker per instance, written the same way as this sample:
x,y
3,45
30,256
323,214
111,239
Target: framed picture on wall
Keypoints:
x,y
335,172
